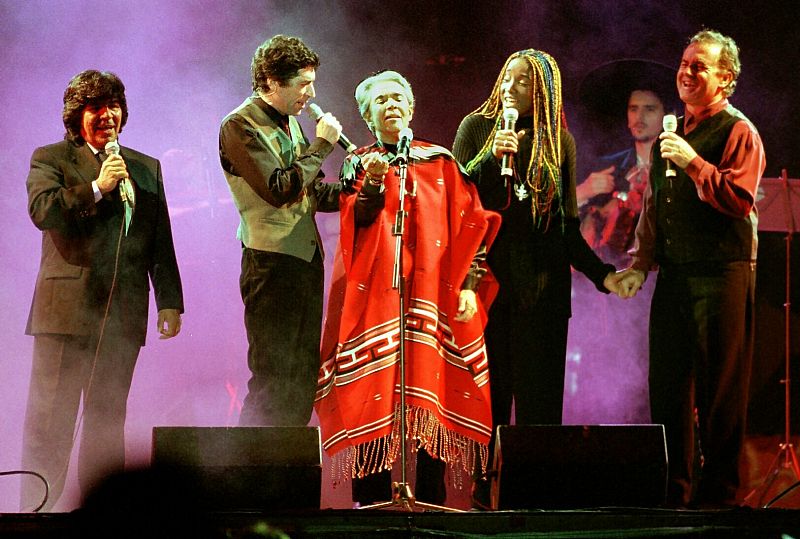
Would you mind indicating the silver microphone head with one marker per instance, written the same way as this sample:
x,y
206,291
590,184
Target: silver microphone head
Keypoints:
x,y
315,111
510,115
406,134
404,143
670,123
112,147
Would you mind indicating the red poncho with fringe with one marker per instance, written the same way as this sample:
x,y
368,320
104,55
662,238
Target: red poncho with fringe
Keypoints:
x,y
448,407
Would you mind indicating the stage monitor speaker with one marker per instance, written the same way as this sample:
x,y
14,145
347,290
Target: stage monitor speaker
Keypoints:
x,y
244,468
574,466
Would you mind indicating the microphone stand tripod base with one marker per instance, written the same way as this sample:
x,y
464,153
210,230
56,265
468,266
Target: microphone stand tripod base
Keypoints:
x,y
403,498
785,459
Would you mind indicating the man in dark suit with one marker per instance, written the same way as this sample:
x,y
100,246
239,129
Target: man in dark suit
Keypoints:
x,y
89,310
274,176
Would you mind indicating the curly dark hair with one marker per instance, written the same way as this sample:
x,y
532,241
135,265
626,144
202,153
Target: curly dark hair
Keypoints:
x,y
280,58
91,87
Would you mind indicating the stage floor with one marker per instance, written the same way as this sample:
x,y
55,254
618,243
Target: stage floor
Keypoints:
x,y
389,523
140,508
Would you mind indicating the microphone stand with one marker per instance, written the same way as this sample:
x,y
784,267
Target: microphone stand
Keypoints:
x,y
402,495
786,458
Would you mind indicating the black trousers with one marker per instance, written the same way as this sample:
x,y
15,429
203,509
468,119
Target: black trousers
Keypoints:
x,y
701,349
527,360
282,297
64,371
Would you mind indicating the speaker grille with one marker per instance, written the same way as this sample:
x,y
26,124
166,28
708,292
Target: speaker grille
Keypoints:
x,y
571,466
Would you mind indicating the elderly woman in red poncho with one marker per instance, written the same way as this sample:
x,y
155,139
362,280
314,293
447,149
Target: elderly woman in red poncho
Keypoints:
x,y
447,291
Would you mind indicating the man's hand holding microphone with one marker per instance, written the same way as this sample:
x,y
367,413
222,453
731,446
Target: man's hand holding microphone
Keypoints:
x,y
674,148
112,171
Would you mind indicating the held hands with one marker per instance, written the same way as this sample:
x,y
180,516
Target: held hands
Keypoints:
x,y
676,149
111,172
596,183
611,282
169,323
329,128
506,141
467,306
625,283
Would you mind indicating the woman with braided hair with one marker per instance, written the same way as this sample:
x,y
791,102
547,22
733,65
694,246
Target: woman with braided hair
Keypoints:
x,y
538,241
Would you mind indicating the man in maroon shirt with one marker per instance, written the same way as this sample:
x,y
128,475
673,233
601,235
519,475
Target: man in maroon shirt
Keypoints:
x,y
698,227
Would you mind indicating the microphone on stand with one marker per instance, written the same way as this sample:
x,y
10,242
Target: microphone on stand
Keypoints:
x,y
316,113
404,144
670,125
510,116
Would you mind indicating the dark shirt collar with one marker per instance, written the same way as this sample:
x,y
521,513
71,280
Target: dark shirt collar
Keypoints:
x,y
281,120
694,118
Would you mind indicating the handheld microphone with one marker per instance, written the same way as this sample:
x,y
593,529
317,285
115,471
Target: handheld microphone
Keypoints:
x,y
126,191
112,147
404,144
670,125
510,116
316,113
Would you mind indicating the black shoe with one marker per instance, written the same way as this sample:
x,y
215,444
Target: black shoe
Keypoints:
x,y
480,495
372,488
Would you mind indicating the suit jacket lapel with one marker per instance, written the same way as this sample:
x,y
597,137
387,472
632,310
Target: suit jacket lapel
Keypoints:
x,y
139,178
85,162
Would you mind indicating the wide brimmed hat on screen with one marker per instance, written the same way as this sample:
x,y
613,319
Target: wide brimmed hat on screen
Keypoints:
x,y
605,89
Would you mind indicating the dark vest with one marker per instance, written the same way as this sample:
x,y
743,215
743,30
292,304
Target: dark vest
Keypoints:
x,y
688,229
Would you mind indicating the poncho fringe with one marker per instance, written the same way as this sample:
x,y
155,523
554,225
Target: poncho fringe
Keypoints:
x,y
422,427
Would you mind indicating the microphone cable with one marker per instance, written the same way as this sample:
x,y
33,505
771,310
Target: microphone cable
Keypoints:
x,y
86,392
44,482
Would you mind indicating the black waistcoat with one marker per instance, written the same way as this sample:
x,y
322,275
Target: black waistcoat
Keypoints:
x,y
689,230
